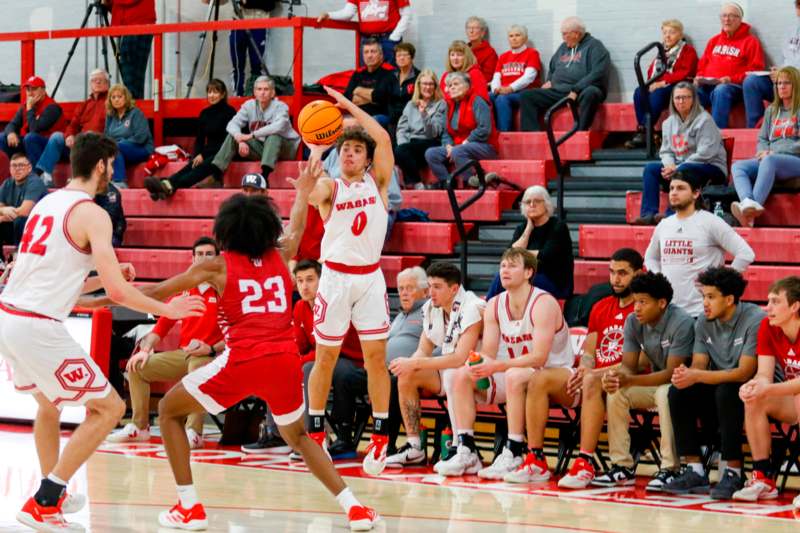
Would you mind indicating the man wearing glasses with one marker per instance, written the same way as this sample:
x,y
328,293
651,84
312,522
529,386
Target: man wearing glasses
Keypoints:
x,y
728,57
18,195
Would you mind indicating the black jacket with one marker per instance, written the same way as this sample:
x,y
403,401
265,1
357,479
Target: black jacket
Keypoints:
x,y
111,201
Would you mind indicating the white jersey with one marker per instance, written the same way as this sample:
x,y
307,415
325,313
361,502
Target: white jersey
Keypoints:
x,y
50,269
516,336
467,309
356,226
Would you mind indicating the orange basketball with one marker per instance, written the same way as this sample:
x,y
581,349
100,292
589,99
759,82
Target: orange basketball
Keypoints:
x,y
320,122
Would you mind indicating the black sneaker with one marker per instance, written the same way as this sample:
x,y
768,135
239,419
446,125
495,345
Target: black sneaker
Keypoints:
x,y
687,482
268,442
342,449
662,478
729,483
617,476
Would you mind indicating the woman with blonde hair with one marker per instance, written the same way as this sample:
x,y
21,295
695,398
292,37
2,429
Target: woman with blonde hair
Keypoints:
x,y
777,153
127,125
461,59
420,127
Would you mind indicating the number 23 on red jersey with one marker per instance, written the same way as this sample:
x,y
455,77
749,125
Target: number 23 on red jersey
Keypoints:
x,y
267,297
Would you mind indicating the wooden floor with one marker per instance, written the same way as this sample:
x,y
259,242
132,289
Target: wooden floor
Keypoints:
x,y
128,485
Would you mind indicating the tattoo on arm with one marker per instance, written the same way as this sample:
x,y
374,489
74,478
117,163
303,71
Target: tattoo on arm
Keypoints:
x,y
413,416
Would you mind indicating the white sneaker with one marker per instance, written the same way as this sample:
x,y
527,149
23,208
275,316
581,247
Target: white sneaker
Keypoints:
x,y
504,463
407,455
796,502
465,461
73,503
530,470
758,487
195,440
130,433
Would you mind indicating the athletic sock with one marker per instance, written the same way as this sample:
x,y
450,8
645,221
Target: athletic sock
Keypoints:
x,y
698,468
538,453
737,471
764,466
515,446
316,420
187,495
414,441
49,493
347,500
380,423
465,439
586,455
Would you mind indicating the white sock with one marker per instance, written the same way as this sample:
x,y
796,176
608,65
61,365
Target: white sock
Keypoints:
x,y
414,441
316,412
56,479
737,470
698,468
470,432
347,500
187,496
380,415
516,437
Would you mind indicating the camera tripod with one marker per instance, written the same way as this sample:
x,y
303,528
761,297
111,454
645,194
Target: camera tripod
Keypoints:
x,y
101,15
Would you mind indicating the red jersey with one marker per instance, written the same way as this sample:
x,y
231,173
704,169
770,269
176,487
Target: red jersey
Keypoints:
x,y
378,16
607,319
255,311
512,66
204,328
772,341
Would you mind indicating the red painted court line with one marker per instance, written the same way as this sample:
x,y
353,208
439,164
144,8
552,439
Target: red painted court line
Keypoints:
x,y
340,513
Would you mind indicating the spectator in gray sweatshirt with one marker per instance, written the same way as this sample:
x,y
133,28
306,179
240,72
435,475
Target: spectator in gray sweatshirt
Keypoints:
x,y
420,127
760,87
578,69
777,152
691,143
269,136
126,124
470,133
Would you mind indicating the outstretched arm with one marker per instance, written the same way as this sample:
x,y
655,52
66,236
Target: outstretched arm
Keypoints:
x,y
304,185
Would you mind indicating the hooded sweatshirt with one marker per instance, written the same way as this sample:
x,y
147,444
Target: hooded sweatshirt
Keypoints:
x,y
696,140
731,56
574,69
791,46
779,132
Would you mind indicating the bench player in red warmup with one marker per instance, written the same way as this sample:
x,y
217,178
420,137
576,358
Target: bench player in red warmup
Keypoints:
x,y
352,287
67,236
261,356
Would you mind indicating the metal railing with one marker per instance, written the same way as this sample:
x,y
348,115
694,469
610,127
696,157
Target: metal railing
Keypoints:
x,y
555,143
644,90
459,208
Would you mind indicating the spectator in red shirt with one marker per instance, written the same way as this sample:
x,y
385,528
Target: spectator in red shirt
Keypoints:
x,y
383,20
461,59
476,30
134,50
89,116
517,70
681,65
351,361
200,341
727,59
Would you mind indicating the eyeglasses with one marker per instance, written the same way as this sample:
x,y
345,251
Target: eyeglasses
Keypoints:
x,y
20,165
682,97
783,82
427,84
729,16
533,201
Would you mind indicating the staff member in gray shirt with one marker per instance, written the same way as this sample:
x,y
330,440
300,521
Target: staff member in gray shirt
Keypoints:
x,y
724,358
412,287
665,334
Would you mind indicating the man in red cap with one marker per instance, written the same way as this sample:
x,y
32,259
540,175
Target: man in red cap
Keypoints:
x,y
37,117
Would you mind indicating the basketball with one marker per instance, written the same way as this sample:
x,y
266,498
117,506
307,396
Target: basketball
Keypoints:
x,y
320,122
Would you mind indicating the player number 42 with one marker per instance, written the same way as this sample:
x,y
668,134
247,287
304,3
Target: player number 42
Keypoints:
x,y
27,245
255,301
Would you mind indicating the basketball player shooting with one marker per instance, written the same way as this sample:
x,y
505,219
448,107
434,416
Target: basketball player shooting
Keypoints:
x,y
261,356
352,287
66,236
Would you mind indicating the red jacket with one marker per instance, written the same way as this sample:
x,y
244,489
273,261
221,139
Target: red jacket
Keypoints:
x,y
130,12
684,68
89,116
487,58
311,241
732,56
466,121
203,328
478,84
303,319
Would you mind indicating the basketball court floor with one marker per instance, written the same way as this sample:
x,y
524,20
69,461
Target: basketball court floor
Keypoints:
x,y
129,484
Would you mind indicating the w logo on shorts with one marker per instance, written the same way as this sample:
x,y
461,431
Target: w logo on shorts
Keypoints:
x,y
75,375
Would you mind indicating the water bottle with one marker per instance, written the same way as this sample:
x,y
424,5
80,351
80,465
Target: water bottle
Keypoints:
x,y
445,443
475,359
718,209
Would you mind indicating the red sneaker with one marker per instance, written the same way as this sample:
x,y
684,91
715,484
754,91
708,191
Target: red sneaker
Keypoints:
x,y
375,460
362,518
193,519
43,518
321,438
579,476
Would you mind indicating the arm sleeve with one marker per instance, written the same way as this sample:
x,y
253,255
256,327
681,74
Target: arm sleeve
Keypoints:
x,y
495,83
733,243
666,154
16,123
483,118
755,59
351,85
652,257
402,24
238,121
163,326
200,138
74,123
764,340
435,120
402,124
558,244
528,77
763,133
46,120
35,189
750,345
346,13
709,142
600,62
683,339
685,67
139,128
631,334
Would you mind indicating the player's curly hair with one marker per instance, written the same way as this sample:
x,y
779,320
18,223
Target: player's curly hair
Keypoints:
x,y
249,225
654,284
358,134
728,281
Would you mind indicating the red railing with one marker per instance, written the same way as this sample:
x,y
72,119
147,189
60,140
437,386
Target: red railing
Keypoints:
x,y
158,108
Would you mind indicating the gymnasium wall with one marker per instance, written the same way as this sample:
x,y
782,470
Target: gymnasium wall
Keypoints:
x,y
623,25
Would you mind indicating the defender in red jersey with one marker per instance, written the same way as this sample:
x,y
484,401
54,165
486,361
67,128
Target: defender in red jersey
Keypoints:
x,y
602,351
778,351
261,356
352,288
